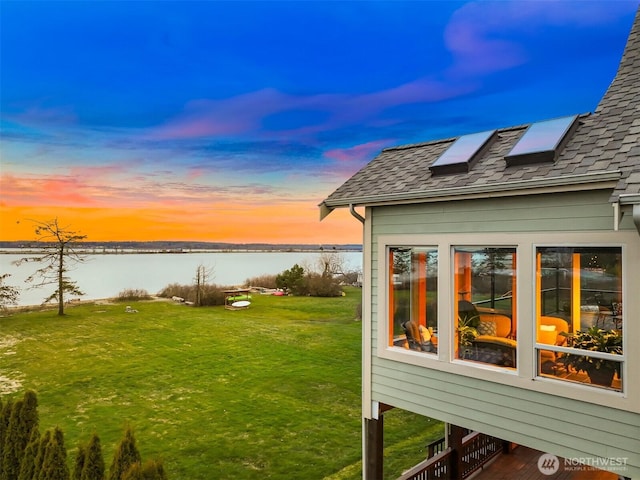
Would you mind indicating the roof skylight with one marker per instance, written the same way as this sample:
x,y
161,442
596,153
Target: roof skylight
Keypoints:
x,y
542,141
461,154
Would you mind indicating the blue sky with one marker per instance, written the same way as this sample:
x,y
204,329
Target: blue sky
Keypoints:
x,y
231,121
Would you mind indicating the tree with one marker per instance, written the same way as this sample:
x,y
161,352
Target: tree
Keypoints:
x,y
292,280
126,455
41,454
8,294
150,470
13,447
28,464
332,263
58,252
22,424
55,460
5,417
78,465
93,468
29,415
202,275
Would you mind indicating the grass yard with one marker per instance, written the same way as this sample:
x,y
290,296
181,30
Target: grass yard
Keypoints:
x,y
272,391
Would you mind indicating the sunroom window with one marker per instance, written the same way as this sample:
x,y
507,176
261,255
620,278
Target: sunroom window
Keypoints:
x,y
485,305
579,320
413,287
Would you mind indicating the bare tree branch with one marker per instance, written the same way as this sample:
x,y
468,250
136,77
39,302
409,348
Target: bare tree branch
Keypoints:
x,y
58,252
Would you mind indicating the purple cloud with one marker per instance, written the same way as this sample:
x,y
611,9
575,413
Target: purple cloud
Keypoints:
x,y
245,114
474,33
357,153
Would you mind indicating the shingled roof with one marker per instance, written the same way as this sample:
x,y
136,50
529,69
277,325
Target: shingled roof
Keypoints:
x,y
605,147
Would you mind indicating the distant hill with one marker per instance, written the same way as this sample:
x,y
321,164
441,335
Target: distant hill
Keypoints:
x,y
181,246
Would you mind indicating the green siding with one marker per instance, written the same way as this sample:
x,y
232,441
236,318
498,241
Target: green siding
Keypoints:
x,y
576,211
550,423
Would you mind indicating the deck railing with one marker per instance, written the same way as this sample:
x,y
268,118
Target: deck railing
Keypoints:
x,y
477,450
436,447
437,467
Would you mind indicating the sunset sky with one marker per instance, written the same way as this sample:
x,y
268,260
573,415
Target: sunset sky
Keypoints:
x,y
231,121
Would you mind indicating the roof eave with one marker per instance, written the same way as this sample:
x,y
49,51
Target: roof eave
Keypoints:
x,y
629,199
594,180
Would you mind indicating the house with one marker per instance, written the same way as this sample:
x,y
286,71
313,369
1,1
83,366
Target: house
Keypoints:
x,y
487,257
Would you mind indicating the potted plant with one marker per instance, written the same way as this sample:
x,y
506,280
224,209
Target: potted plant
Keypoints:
x,y
594,339
467,333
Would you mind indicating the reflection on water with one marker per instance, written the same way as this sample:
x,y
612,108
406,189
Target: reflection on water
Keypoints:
x,y
104,276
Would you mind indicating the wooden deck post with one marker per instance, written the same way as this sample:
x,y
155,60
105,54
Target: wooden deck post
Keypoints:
x,y
374,448
455,435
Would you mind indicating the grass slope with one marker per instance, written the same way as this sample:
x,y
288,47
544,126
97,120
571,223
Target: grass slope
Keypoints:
x,y
272,391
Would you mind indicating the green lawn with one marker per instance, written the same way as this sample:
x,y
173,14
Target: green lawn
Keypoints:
x,y
272,391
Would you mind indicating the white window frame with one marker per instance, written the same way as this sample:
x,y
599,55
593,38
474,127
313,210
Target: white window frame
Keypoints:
x,y
622,359
526,374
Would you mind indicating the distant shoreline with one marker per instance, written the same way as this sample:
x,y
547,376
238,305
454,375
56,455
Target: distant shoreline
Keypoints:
x,y
171,247
126,251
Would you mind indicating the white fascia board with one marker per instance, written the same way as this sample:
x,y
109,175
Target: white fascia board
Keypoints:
x,y
570,183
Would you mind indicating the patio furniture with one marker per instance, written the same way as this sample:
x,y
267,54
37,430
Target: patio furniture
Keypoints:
x,y
550,332
495,350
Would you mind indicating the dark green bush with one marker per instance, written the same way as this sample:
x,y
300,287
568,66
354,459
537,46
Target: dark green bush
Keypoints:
x,y
292,280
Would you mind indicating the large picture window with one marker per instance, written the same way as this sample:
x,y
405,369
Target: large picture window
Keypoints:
x,y
555,312
413,290
579,324
485,305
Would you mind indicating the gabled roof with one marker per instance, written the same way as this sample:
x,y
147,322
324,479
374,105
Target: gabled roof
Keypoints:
x,y
603,149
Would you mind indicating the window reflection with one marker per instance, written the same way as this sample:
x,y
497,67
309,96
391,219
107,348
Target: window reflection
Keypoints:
x,y
579,305
413,287
485,307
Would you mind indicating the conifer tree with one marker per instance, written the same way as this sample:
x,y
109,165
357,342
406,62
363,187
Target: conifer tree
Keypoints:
x,y
13,444
78,465
149,470
29,415
23,419
134,472
28,464
5,416
126,455
55,462
41,454
153,470
93,468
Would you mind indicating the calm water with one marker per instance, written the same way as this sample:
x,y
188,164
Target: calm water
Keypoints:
x,y
104,276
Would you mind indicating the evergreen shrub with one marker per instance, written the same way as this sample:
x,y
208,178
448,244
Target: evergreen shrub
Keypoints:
x,y
27,455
